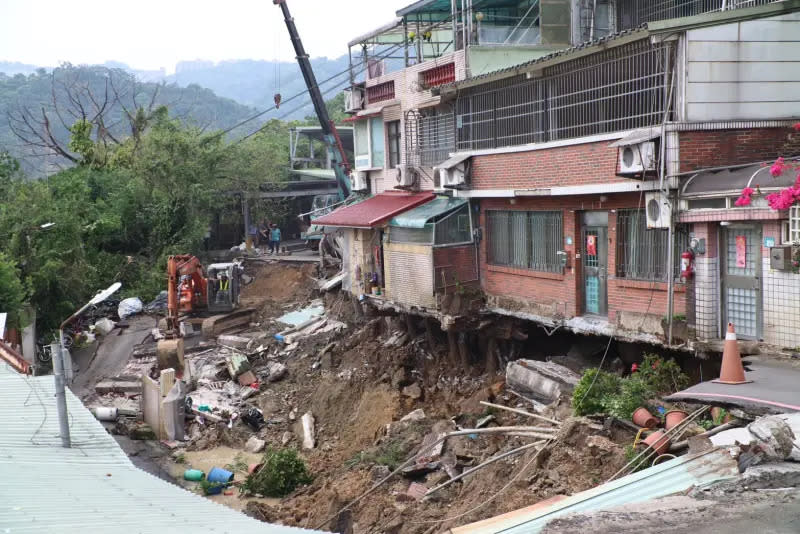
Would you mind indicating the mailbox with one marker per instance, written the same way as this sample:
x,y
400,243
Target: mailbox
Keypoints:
x,y
780,258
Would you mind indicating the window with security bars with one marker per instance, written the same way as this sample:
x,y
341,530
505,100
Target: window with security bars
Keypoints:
x,y
525,239
454,228
642,253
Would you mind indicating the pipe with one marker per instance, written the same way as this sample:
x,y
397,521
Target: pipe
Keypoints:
x,y
61,393
490,461
521,412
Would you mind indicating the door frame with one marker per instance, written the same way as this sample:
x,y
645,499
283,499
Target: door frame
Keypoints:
x,y
602,255
725,232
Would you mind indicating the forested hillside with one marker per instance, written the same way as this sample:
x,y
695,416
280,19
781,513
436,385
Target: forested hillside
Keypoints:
x,y
37,110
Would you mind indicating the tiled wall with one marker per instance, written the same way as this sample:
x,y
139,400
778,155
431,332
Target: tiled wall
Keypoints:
x,y
706,289
781,292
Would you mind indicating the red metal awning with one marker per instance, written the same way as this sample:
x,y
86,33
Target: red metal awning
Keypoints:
x,y
376,210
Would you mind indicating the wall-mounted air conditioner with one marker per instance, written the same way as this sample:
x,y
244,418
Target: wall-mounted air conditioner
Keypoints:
x,y
406,176
358,180
658,209
638,158
353,100
449,178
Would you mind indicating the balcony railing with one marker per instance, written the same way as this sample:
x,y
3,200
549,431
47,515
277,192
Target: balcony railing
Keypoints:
x,y
634,13
380,92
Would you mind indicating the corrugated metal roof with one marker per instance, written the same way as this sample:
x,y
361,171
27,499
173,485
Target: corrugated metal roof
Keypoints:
x,y
418,217
374,211
92,487
664,479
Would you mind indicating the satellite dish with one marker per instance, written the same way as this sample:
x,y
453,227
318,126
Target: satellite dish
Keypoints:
x,y
103,295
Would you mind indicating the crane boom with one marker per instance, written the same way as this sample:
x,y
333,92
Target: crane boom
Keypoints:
x,y
334,146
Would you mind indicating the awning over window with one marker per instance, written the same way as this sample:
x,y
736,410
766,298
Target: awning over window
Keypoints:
x,y
455,160
420,216
733,180
638,136
375,210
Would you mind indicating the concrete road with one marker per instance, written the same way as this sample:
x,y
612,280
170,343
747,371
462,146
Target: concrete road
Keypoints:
x,y
111,356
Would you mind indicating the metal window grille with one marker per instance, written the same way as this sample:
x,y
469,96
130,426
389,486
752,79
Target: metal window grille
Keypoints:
x,y
618,89
380,92
430,137
642,253
525,239
438,75
454,227
634,13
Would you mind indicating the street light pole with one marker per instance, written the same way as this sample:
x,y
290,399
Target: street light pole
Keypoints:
x,y
58,364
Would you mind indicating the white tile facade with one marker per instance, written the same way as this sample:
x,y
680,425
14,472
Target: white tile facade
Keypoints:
x,y
781,291
707,298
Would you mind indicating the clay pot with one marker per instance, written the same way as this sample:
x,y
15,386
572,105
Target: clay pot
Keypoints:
x,y
643,418
252,468
658,441
674,417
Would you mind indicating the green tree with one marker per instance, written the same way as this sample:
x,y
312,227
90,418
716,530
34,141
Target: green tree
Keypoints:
x,y
12,291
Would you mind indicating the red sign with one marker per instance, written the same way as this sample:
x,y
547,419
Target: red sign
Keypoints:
x,y
741,251
591,245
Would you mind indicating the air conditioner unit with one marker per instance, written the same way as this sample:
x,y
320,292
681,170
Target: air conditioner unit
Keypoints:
x,y
439,178
358,180
406,176
353,100
455,177
658,209
638,158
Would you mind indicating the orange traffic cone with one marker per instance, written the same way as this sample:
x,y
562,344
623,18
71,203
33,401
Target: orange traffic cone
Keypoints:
x,y
732,371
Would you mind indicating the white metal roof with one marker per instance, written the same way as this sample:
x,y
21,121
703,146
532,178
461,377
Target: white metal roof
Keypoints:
x,y
92,487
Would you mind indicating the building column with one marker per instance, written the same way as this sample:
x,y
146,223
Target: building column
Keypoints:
x,y
706,282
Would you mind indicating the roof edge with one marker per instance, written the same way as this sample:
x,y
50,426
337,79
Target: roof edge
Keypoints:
x,y
723,17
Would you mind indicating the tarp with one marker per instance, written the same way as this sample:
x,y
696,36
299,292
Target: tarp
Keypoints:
x,y
419,216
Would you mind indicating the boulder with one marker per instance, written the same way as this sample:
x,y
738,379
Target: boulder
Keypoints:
x,y
413,391
255,445
277,371
545,381
416,415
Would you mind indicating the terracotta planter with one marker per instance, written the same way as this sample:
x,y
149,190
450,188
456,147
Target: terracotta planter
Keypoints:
x,y
674,417
252,468
643,418
658,441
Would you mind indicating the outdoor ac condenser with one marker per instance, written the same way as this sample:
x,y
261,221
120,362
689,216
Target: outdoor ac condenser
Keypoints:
x,y
358,180
406,176
658,209
353,100
638,158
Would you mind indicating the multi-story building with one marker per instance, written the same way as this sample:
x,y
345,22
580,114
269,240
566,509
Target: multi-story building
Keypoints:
x,y
588,171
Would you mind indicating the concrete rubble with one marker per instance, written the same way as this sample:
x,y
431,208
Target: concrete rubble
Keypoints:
x,y
541,380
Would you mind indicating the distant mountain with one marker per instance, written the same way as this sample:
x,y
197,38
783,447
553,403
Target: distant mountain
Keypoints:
x,y
15,67
255,83
34,92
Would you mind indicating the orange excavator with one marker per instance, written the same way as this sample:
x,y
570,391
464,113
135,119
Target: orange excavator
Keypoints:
x,y
191,291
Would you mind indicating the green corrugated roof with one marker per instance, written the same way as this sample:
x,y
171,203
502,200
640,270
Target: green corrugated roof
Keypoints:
x,y
418,217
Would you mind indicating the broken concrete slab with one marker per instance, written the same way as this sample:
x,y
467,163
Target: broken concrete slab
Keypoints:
x,y
237,342
540,380
309,432
416,415
255,445
237,364
276,371
414,391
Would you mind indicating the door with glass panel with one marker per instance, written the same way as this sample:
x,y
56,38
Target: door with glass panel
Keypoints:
x,y
741,279
594,254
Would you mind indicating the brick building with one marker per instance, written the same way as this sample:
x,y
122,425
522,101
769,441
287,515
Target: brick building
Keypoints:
x,y
589,170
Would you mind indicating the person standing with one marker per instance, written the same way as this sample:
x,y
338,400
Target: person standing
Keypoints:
x,y
274,239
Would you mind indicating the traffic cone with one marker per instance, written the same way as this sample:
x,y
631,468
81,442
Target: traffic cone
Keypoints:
x,y
732,371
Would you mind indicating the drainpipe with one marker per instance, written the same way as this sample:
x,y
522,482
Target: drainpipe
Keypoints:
x,y
671,269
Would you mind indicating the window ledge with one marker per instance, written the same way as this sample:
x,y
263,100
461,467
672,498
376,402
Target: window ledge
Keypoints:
x,y
525,272
645,284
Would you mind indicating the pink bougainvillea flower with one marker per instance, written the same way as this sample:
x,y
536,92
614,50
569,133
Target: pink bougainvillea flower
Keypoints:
x,y
796,127
747,191
743,201
776,169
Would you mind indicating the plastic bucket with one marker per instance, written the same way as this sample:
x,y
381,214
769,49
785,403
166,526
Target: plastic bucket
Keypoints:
x,y
643,418
194,475
104,413
219,477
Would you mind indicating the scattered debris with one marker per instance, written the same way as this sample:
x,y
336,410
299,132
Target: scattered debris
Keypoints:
x,y
255,445
309,436
416,415
541,380
128,307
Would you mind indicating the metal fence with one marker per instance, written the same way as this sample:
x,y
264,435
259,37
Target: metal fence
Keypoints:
x,y
525,239
642,253
634,13
430,137
618,89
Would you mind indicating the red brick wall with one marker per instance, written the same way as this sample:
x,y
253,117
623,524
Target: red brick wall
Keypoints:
x,y
560,294
457,264
588,163
720,148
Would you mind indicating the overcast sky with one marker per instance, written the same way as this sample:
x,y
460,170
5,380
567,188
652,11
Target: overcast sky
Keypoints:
x,y
151,34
